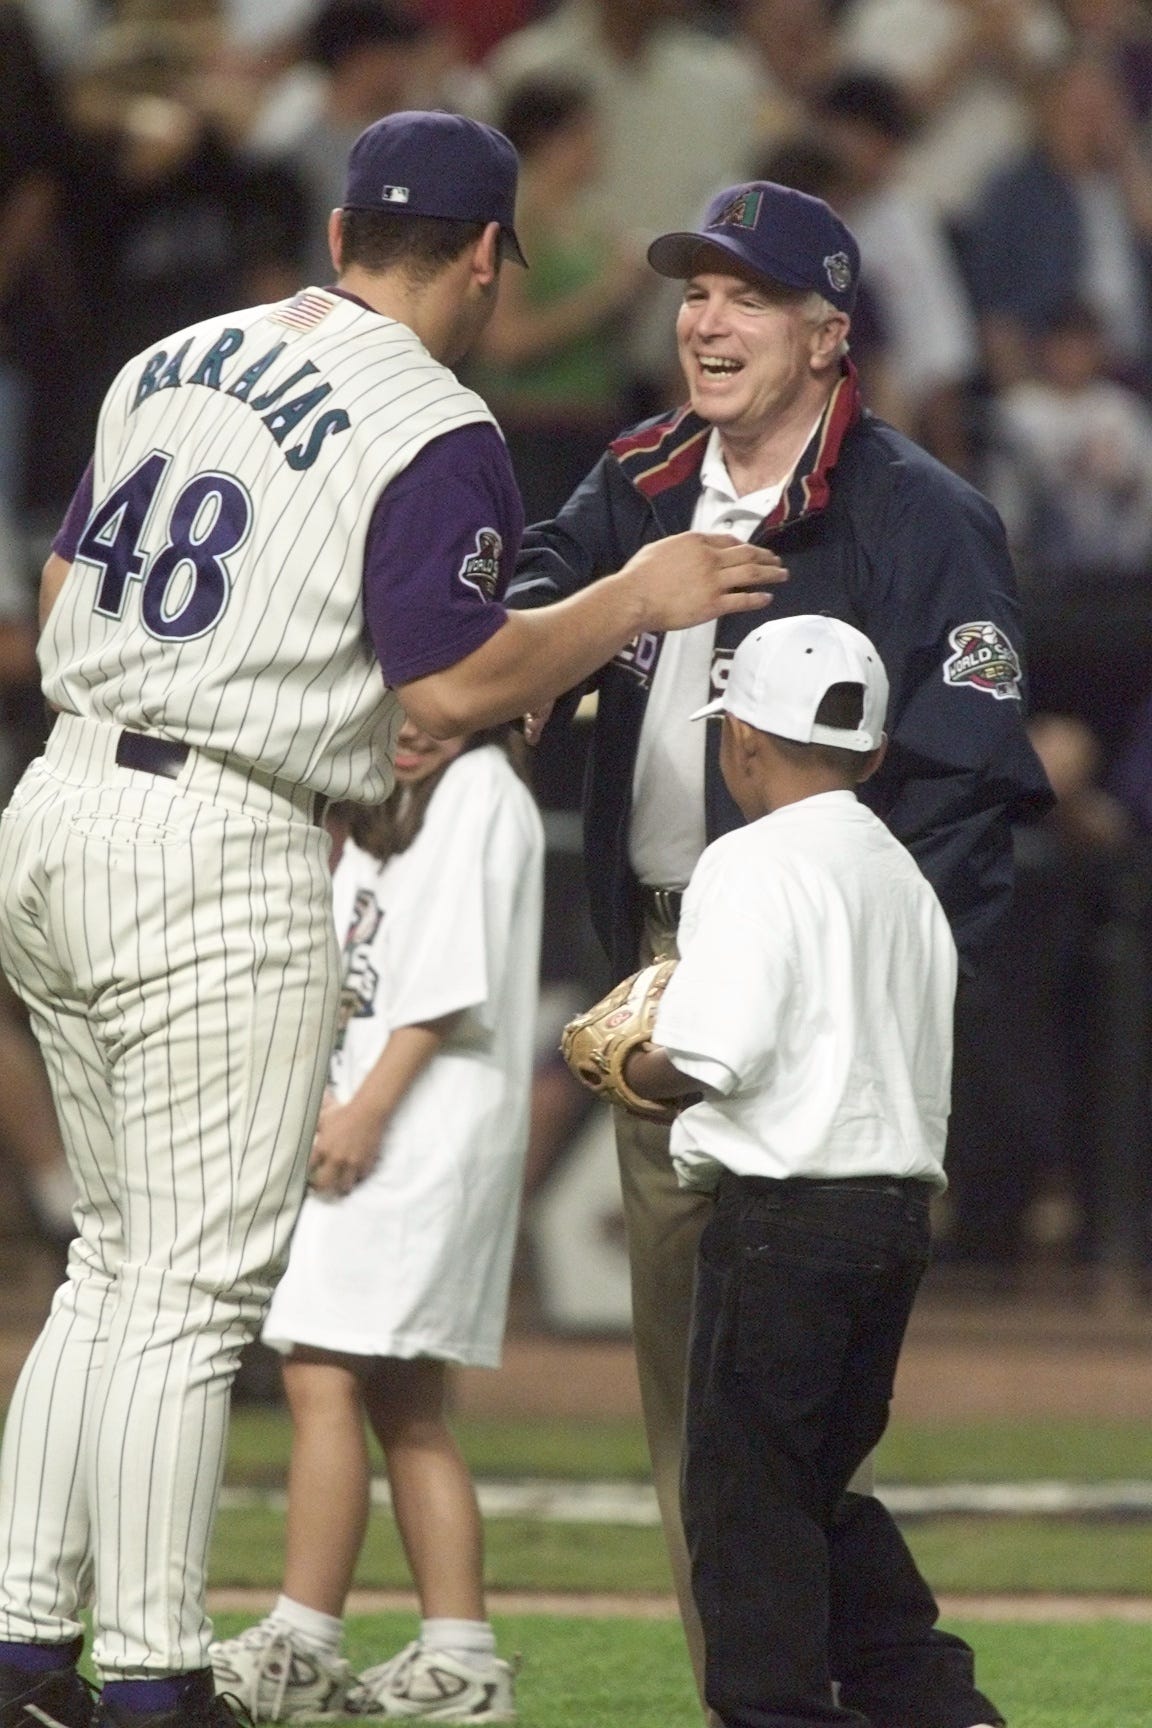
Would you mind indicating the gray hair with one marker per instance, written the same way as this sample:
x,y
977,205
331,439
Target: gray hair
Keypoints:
x,y
816,309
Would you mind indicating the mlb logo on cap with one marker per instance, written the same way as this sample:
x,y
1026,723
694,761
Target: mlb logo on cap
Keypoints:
x,y
432,164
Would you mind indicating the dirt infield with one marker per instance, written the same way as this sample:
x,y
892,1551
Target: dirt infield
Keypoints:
x,y
1035,1355
1044,1351
604,1605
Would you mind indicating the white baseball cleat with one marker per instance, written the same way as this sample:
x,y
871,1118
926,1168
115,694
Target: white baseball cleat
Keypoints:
x,y
433,1686
277,1678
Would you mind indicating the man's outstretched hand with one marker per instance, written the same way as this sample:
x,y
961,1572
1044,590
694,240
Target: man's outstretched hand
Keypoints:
x,y
690,578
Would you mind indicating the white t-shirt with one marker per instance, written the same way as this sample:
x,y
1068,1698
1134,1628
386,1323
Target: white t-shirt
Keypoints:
x,y
416,1260
667,832
813,1001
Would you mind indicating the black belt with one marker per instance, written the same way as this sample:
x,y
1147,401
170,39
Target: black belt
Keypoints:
x,y
163,756
662,904
151,755
913,1186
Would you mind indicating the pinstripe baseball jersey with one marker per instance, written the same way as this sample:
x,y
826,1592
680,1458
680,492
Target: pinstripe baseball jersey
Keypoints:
x,y
216,595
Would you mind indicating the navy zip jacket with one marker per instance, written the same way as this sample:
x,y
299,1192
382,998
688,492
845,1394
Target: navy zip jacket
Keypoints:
x,y
873,530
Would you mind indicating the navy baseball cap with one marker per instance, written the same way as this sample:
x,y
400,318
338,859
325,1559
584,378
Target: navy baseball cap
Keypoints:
x,y
426,163
774,232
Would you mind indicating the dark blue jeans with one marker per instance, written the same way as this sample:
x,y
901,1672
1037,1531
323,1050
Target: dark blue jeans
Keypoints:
x,y
803,1292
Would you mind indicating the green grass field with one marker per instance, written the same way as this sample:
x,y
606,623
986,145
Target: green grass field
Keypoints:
x,y
620,1673
583,1672
1003,1451
631,1672
961,1554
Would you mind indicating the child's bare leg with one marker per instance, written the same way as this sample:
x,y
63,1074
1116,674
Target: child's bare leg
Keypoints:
x,y
433,1495
328,1477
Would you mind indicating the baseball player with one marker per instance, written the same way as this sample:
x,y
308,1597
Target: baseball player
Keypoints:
x,y
296,523
402,1258
812,1008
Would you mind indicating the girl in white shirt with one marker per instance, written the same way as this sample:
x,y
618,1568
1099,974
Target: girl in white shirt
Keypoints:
x,y
402,1257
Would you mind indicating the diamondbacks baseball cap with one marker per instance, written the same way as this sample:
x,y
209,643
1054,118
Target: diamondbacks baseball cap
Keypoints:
x,y
779,234
781,673
426,163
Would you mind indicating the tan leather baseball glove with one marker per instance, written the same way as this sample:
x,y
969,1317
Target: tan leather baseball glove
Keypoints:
x,y
596,1043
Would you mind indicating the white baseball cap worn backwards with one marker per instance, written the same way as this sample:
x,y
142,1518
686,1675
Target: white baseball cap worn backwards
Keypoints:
x,y
781,673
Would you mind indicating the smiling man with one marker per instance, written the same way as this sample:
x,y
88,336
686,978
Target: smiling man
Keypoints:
x,y
775,447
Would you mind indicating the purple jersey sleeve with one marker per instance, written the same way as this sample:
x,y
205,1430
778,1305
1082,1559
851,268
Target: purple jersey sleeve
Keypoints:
x,y
69,532
441,548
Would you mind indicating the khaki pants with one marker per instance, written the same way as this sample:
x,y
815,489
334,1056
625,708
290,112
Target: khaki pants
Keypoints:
x,y
663,1223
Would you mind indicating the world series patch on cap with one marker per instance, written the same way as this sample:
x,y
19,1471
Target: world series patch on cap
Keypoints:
x,y
776,233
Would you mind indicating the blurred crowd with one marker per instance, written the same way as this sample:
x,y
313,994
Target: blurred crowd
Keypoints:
x,y
163,160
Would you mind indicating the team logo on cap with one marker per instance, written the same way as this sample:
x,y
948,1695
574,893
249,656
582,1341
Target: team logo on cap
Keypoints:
x,y
481,568
742,211
838,269
985,659
394,194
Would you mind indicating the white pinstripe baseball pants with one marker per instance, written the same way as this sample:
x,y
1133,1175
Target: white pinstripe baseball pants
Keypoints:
x,y
173,940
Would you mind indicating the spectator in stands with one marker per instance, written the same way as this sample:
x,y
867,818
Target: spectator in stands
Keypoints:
x,y
1130,776
680,109
1087,813
37,309
797,47
1119,34
1038,1066
1069,465
182,224
551,362
477,29
365,54
907,263
63,28
966,67
1071,471
1072,214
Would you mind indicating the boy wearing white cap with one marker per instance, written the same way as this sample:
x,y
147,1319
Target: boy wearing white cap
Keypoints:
x,y
812,1009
